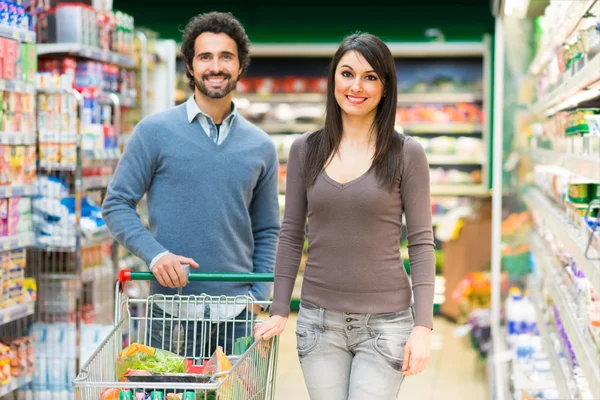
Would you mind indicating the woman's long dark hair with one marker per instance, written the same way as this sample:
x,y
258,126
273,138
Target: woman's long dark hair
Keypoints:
x,y
322,144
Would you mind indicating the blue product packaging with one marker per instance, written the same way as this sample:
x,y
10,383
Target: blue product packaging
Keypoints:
x,y
12,13
3,12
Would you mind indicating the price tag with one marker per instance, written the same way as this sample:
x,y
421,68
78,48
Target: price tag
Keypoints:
x,y
7,317
15,35
87,53
19,87
29,36
30,308
9,191
6,245
115,58
2,84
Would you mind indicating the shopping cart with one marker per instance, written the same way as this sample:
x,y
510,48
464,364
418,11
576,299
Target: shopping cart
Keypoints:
x,y
178,320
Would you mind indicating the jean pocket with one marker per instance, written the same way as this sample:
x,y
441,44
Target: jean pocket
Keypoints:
x,y
307,339
391,346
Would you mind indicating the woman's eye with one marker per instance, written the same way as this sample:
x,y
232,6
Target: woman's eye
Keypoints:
x,y
346,74
371,78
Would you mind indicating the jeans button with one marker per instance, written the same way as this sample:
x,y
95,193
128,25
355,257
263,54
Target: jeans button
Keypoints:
x,y
348,319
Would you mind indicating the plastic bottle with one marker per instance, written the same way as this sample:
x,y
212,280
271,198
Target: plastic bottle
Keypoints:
x,y
512,306
529,320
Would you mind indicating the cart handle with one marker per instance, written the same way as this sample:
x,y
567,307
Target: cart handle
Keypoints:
x,y
127,275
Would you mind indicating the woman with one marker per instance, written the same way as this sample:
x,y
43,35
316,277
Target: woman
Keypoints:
x,y
353,179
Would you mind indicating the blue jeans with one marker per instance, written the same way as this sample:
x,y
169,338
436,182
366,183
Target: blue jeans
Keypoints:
x,y
199,339
352,356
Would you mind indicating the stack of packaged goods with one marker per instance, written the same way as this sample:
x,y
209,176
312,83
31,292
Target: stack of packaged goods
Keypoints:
x,y
17,358
14,15
85,25
15,287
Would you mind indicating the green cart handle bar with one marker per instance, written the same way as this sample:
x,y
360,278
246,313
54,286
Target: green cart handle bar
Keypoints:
x,y
127,275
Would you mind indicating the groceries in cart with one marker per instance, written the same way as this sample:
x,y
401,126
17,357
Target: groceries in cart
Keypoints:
x,y
139,363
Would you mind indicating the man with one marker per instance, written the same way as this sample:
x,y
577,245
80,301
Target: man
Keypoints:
x,y
211,182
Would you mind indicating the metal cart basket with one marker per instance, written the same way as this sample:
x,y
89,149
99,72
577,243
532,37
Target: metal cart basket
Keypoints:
x,y
190,326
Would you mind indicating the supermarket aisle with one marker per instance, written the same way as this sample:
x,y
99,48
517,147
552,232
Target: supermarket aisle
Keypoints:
x,y
452,374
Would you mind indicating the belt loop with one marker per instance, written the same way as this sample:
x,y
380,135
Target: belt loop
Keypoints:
x,y
322,319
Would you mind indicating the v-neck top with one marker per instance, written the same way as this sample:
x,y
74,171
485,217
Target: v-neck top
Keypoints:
x,y
354,231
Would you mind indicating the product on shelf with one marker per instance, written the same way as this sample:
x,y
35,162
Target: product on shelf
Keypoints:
x,y
15,216
18,61
80,23
17,165
441,176
17,112
287,84
54,215
22,355
14,15
12,278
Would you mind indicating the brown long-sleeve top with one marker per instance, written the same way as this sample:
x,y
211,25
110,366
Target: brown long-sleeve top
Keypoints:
x,y
354,229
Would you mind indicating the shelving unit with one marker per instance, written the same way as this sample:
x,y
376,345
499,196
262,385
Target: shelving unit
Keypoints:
x,y
585,166
442,128
21,35
90,53
459,190
16,139
16,312
15,384
582,345
17,190
557,370
573,239
23,240
16,86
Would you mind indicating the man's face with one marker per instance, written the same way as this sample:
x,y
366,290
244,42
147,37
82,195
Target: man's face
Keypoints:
x,y
216,65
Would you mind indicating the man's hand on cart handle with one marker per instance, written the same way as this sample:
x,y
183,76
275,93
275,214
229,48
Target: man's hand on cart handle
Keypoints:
x,y
271,327
168,270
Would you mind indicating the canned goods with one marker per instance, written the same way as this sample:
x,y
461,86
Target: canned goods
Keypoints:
x,y
579,192
157,395
189,395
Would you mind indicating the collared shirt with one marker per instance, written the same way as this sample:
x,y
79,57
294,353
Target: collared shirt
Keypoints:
x,y
206,122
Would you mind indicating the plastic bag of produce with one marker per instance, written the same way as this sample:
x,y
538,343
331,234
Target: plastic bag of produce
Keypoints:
x,y
146,358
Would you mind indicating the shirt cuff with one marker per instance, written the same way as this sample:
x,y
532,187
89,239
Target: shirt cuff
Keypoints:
x,y
263,307
158,257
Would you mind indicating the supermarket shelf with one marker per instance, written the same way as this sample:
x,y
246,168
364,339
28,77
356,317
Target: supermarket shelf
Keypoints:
x,y
442,159
562,96
71,249
459,190
573,239
16,312
404,49
17,138
557,370
93,182
447,98
562,31
17,191
274,127
57,167
91,53
15,384
8,243
441,128
584,349
16,86
283,97
101,154
22,35
588,167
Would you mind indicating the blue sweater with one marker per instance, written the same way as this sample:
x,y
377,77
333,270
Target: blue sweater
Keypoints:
x,y
215,204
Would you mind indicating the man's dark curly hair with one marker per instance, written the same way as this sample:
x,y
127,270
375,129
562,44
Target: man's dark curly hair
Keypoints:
x,y
214,22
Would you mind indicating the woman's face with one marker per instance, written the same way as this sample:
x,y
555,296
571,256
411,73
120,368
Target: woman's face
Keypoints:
x,y
358,89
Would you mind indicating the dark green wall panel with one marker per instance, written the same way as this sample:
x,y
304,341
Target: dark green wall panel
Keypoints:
x,y
311,22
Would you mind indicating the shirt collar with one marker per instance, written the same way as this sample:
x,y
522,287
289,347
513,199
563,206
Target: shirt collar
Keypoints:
x,y
193,110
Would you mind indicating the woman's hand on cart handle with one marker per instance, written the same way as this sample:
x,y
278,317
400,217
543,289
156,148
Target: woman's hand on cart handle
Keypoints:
x,y
168,270
271,327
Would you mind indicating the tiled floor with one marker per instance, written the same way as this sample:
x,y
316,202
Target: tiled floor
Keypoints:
x,y
453,373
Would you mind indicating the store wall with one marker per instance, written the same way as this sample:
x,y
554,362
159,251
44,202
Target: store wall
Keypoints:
x,y
460,20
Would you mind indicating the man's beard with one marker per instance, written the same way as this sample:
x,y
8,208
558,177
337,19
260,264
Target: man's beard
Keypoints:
x,y
215,93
